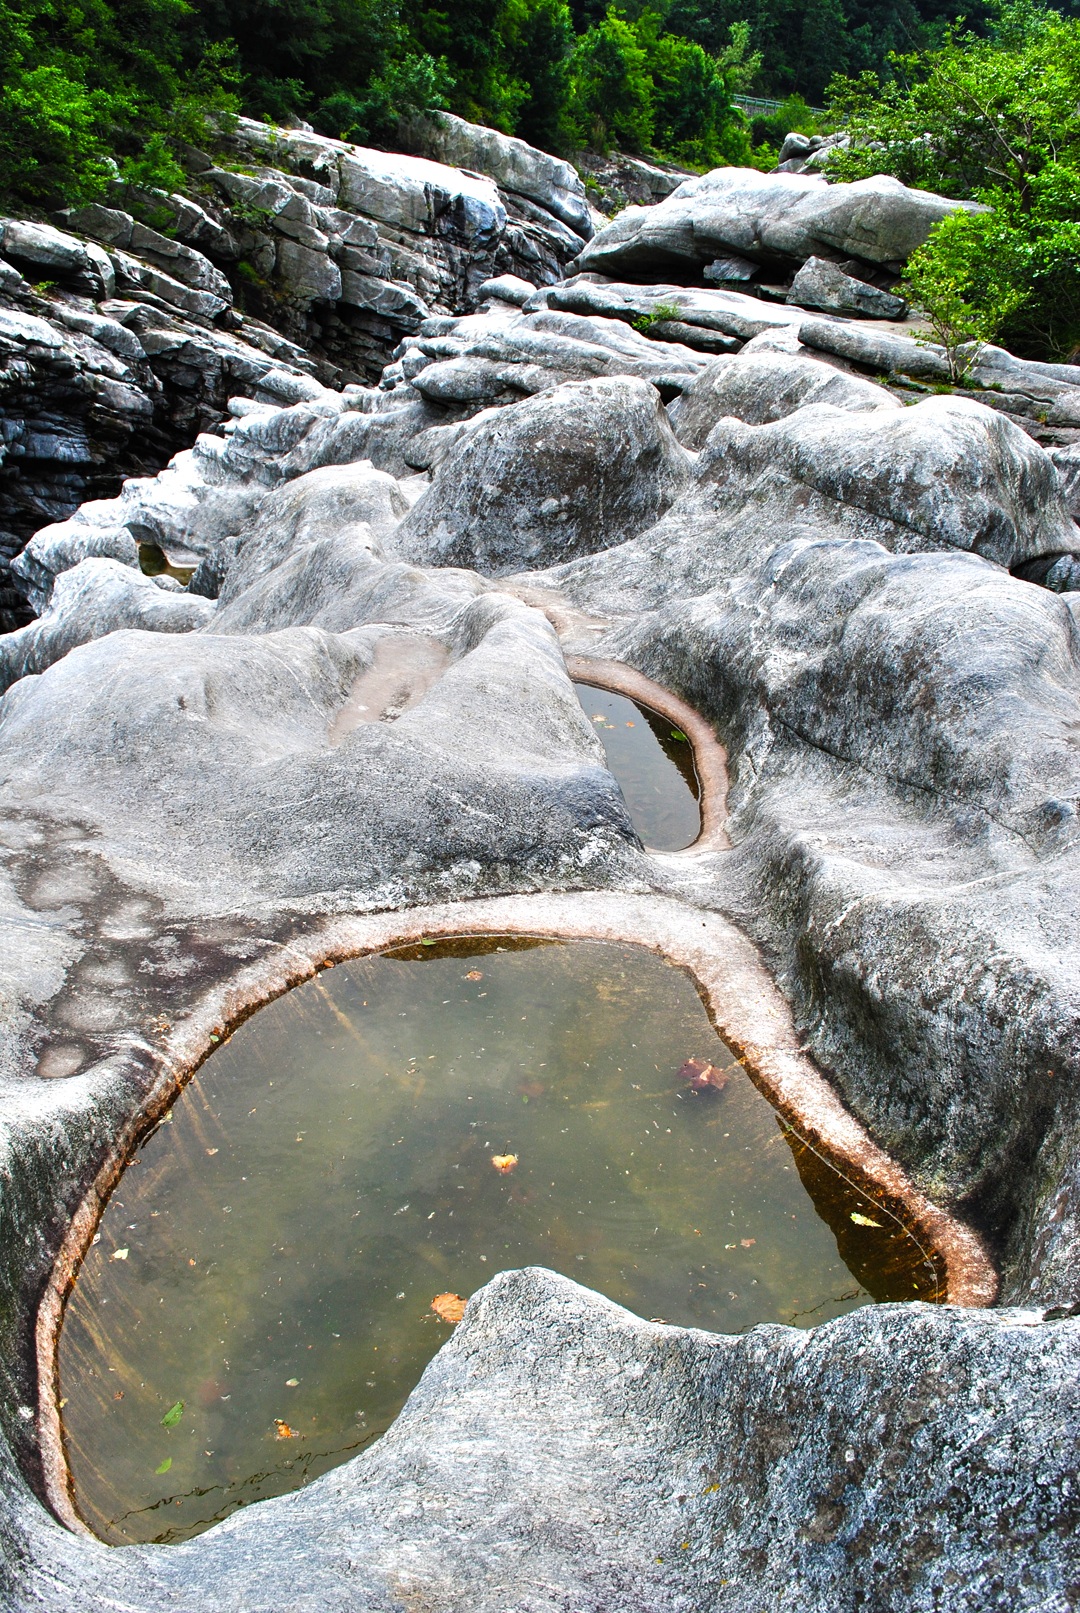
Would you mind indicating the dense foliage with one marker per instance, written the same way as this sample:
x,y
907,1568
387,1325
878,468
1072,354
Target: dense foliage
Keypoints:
x,y
996,120
94,85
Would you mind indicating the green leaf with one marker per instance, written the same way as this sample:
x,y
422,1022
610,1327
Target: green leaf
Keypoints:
x,y
426,941
864,1221
677,733
164,1466
173,1415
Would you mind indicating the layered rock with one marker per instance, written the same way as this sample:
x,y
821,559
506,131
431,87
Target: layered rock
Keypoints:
x,y
128,329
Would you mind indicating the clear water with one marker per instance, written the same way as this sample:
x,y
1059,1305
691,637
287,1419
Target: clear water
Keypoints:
x,y
270,1256
653,762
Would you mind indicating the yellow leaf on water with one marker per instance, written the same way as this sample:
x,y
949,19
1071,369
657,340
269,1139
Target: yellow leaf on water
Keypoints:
x,y
448,1307
864,1221
504,1163
119,1254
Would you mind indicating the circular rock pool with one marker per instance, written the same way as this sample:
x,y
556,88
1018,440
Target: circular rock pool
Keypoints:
x,y
258,1299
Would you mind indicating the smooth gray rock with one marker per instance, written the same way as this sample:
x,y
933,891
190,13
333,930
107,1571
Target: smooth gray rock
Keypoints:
x,y
89,600
513,164
730,312
563,474
632,1465
821,284
761,386
769,218
344,502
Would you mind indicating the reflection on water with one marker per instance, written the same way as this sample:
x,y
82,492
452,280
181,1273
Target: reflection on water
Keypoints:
x,y
653,762
267,1262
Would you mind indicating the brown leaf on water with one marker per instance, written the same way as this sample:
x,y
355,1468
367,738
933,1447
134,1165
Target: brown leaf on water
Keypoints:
x,y
283,1431
703,1076
748,1243
504,1163
448,1307
475,974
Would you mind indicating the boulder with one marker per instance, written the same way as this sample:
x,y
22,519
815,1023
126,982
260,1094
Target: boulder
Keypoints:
x,y
650,1465
572,471
821,284
761,386
513,164
772,219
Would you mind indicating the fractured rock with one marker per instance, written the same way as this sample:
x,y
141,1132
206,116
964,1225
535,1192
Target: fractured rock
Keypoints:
x,y
821,284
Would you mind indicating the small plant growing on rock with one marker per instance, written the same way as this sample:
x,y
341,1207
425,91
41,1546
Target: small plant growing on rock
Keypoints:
x,y
661,313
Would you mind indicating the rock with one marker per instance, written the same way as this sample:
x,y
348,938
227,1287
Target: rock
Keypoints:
x,y
729,312
335,499
306,275
564,474
512,163
880,351
820,284
946,473
500,357
762,386
505,288
827,1453
731,267
91,599
773,219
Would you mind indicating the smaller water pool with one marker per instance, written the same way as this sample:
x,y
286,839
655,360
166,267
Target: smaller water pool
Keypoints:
x,y
653,762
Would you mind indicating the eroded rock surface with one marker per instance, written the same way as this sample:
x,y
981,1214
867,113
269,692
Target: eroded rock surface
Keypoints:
x,y
353,708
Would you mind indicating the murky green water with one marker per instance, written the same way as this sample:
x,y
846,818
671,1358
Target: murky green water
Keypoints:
x,y
270,1257
653,762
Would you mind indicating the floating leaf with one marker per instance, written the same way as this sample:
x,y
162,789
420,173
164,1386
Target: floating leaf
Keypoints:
x,y
864,1221
703,1076
283,1431
173,1415
748,1243
504,1163
677,733
211,1152
475,974
427,941
448,1307
163,1467
291,1383
119,1254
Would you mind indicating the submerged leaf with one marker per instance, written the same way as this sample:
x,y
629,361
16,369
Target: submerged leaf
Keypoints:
x,y
163,1467
864,1221
448,1307
173,1415
504,1163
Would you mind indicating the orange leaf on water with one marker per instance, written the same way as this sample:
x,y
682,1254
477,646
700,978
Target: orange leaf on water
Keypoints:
x,y
475,974
283,1431
448,1307
504,1163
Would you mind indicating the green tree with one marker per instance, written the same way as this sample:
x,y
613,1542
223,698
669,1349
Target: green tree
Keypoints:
x,y
996,120
612,92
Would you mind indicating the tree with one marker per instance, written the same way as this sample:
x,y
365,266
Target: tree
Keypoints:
x,y
996,120
612,92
